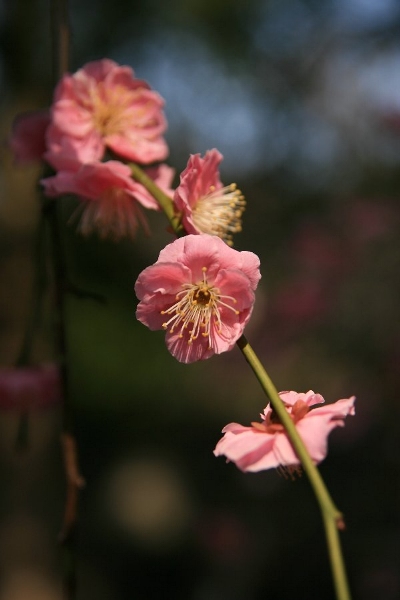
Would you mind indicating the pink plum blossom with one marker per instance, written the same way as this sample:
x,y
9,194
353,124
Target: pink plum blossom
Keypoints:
x,y
104,106
30,388
27,140
206,206
111,198
67,153
201,292
265,445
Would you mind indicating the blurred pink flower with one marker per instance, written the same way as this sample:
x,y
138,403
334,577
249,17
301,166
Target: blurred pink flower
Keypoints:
x,y
201,292
30,388
206,206
300,300
66,153
27,140
110,196
104,106
265,445
369,220
317,250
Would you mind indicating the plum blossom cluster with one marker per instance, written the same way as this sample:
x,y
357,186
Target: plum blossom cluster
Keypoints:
x,y
101,111
265,445
201,292
101,117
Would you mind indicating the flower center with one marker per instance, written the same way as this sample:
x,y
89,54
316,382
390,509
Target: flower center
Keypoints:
x,y
220,212
198,307
112,109
272,423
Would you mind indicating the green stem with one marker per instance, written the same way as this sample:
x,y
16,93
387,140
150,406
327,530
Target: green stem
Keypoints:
x,y
336,558
311,470
332,517
164,201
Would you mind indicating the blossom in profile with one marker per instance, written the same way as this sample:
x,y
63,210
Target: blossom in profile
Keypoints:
x,y
201,292
265,445
30,388
103,106
205,205
111,199
27,139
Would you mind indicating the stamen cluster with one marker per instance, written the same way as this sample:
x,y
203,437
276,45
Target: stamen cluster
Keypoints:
x,y
220,212
205,205
198,306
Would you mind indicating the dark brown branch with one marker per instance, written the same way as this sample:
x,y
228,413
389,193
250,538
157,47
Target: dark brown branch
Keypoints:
x,y
74,481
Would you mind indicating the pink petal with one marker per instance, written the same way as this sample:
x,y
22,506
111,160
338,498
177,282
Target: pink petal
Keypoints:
x,y
100,69
233,282
310,398
337,410
283,451
72,119
209,171
138,149
195,251
30,388
66,153
250,265
27,141
149,311
162,278
246,449
185,352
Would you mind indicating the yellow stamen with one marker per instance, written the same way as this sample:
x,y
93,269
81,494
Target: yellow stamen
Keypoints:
x,y
198,304
220,212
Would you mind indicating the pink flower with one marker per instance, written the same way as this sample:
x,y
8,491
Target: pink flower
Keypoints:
x,y
265,445
104,106
66,153
111,197
300,300
29,388
27,140
207,206
201,292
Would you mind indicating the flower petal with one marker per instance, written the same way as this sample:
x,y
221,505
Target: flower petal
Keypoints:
x,y
161,278
246,448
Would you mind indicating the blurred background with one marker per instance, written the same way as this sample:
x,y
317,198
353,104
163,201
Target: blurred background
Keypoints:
x,y
302,97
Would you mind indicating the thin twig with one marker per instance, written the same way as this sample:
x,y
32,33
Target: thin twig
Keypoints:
x,y
32,324
75,482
